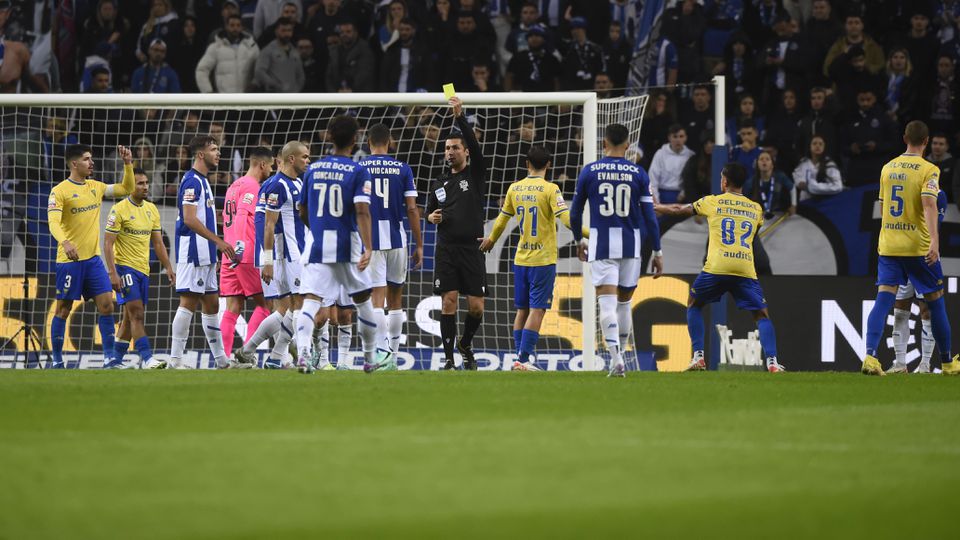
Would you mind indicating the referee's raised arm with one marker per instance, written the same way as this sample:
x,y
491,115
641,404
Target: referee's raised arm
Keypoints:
x,y
478,165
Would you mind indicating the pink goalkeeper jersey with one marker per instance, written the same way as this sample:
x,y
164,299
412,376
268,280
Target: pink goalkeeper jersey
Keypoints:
x,y
239,208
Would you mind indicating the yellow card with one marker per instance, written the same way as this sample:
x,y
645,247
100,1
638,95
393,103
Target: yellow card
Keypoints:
x,y
448,91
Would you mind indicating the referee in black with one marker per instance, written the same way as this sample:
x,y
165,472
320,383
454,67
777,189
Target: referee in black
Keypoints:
x,y
455,206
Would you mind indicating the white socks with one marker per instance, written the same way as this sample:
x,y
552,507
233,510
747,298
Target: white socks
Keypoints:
x,y
927,343
344,338
321,341
267,328
180,334
367,322
625,322
304,322
394,329
381,341
211,329
610,327
901,335
284,336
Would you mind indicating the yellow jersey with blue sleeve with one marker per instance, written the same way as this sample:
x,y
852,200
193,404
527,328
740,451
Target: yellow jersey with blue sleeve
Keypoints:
x,y
904,181
134,225
734,221
537,204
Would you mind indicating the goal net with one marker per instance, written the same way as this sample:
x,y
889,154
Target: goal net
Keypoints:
x,y
34,134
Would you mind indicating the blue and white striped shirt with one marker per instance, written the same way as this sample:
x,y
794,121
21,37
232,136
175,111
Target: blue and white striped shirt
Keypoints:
x,y
191,247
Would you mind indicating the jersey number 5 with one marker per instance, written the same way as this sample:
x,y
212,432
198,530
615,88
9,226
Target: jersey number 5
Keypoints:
x,y
897,209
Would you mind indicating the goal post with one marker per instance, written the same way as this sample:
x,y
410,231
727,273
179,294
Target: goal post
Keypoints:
x,y
35,128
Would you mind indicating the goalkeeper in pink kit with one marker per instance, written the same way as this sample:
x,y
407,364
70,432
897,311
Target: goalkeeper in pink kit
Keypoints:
x,y
242,281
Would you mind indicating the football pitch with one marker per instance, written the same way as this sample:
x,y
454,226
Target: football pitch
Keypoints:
x,y
88,454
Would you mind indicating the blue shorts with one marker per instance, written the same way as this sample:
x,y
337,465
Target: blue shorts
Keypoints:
x,y
897,270
709,288
533,286
87,278
134,285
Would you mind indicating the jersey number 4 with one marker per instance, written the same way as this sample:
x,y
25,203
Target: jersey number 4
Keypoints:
x,y
728,232
334,201
382,188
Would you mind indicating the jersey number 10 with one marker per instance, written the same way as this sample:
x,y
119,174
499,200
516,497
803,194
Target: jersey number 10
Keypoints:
x,y
334,201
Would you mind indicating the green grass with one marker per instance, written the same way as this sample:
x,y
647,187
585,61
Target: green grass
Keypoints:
x,y
454,455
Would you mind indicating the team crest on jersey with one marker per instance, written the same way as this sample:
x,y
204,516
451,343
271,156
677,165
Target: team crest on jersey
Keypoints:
x,y
210,203
189,195
200,282
437,283
464,185
296,282
247,198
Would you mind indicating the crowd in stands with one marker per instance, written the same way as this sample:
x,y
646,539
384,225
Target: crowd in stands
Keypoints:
x,y
817,91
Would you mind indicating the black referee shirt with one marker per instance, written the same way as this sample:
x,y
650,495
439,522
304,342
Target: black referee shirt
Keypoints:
x,y
460,195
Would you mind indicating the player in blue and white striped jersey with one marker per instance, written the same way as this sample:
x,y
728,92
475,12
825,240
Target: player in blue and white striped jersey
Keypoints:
x,y
394,194
336,206
279,245
618,192
196,246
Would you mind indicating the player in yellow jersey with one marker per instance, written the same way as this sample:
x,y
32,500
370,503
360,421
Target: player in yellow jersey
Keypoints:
x,y
734,221
73,215
537,204
909,246
133,225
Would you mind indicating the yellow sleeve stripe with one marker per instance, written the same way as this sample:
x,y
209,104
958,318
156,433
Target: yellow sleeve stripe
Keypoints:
x,y
506,214
112,230
929,194
560,211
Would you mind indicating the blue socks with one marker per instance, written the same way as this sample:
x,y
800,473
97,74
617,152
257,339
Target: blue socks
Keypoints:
x,y
58,330
528,342
107,329
517,337
120,348
695,327
768,338
878,319
143,348
941,327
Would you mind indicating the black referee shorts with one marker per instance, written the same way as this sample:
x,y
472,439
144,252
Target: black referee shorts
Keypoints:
x,y
459,268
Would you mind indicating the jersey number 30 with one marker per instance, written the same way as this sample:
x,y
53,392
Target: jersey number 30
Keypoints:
x,y
616,200
728,232
334,201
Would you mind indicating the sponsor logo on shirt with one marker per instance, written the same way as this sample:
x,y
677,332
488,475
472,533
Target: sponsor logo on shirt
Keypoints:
x,y
247,198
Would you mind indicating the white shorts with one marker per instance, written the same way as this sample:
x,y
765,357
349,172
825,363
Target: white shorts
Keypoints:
x,y
623,273
197,279
326,280
286,279
908,292
388,267
343,300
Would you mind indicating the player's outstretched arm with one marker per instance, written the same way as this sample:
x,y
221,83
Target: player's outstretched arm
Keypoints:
x,y
930,215
193,223
679,210
486,244
128,183
161,250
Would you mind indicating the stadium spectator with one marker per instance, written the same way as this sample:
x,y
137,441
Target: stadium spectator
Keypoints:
x,y
850,75
181,131
552,13
111,34
155,76
666,182
817,174
918,41
465,47
696,115
517,39
820,32
658,117
664,67
229,8
178,162
161,24
617,52
229,59
408,64
231,161
144,158
739,67
603,86
388,31
781,132
770,187
901,91
785,62
869,138
324,22
291,12
482,78
820,120
939,100
352,65
946,15
697,174
685,23
439,22
940,156
99,80
484,26
627,14
55,140
759,17
853,35
312,73
747,151
269,11
278,67
186,54
583,59
14,58
747,111
536,69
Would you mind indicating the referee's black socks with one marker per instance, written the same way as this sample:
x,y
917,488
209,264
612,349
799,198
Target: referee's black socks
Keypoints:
x,y
448,333
470,326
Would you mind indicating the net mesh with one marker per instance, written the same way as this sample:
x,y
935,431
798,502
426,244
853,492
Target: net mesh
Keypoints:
x,y
32,144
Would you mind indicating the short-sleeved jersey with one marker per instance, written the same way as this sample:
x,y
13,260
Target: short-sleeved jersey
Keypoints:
x,y
536,203
332,186
734,221
191,247
614,187
281,194
79,209
392,184
239,208
134,225
903,229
